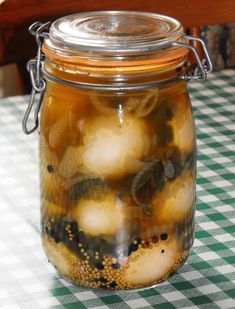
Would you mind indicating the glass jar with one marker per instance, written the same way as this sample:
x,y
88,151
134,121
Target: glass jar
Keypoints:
x,y
117,147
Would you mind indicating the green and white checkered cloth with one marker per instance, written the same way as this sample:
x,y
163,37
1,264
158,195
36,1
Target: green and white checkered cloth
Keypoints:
x,y
207,280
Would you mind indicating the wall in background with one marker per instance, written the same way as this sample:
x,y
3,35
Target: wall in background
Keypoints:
x,y
9,81
220,40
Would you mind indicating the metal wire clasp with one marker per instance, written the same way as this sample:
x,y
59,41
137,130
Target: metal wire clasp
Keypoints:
x,y
202,67
34,66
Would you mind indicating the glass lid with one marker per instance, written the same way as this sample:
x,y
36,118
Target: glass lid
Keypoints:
x,y
114,31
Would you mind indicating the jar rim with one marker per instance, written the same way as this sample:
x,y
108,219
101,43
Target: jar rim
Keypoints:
x,y
113,32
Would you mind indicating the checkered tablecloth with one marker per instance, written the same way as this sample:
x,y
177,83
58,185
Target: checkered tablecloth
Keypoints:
x,y
207,280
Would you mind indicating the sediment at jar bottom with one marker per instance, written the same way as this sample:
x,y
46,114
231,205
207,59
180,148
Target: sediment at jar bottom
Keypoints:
x,y
103,262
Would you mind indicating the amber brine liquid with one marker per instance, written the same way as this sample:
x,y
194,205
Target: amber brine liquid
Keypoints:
x,y
117,184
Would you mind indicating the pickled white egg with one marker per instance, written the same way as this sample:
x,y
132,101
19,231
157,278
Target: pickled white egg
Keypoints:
x,y
99,217
183,127
110,145
153,264
175,201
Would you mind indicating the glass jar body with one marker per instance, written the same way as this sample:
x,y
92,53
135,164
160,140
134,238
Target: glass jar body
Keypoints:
x,y
117,183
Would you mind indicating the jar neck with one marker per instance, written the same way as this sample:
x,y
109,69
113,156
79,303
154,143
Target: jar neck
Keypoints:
x,y
139,77
159,67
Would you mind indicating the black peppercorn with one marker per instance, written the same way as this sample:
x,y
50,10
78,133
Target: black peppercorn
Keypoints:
x,y
164,236
116,265
50,168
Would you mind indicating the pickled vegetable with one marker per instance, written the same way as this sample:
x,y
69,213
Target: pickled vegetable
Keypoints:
x,y
50,178
69,163
138,106
147,182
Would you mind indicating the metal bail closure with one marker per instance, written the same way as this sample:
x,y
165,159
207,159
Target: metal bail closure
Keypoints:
x,y
34,67
202,67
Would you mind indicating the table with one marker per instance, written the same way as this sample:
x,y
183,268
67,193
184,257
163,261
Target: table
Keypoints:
x,y
207,280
